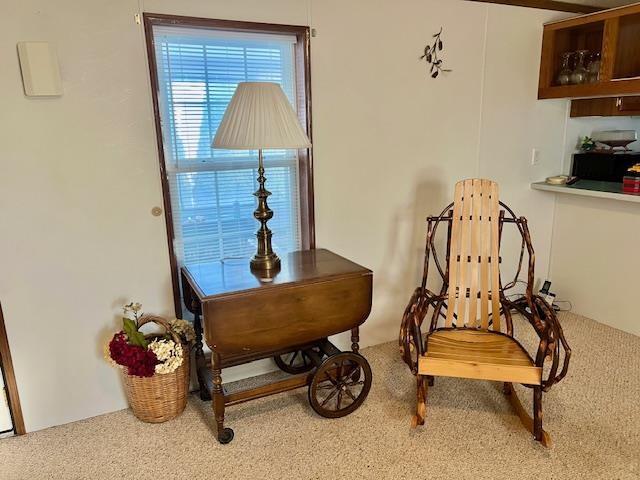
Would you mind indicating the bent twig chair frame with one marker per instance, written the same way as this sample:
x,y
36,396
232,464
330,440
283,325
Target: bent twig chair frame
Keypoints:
x,y
476,340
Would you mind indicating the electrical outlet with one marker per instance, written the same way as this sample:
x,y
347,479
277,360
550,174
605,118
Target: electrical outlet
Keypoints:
x,y
535,157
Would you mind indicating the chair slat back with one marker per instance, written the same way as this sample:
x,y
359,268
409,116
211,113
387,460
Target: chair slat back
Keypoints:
x,y
474,273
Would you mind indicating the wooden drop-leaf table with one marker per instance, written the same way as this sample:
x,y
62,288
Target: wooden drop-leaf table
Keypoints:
x,y
289,317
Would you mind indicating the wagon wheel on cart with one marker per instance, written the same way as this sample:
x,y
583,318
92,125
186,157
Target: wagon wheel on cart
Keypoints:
x,y
340,385
294,362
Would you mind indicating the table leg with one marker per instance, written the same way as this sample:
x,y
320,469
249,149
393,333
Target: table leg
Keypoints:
x,y
205,395
225,435
355,338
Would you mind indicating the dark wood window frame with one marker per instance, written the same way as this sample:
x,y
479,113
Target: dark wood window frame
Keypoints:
x,y
303,84
10,380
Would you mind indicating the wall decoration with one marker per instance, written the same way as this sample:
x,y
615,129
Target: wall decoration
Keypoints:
x,y
431,56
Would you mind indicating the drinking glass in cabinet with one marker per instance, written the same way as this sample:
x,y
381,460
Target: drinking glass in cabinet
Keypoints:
x,y
579,74
564,77
593,70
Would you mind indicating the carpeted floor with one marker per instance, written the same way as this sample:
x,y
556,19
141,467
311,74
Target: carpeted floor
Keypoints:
x,y
593,417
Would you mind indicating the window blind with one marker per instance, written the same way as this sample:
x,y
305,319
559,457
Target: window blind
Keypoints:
x,y
212,190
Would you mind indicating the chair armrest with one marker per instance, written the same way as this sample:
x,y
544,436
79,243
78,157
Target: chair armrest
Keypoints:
x,y
410,339
544,320
554,339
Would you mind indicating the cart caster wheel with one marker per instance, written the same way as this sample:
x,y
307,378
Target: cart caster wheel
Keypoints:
x,y
294,362
225,436
340,385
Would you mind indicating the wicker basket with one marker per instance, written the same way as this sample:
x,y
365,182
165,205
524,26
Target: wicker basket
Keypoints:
x,y
161,397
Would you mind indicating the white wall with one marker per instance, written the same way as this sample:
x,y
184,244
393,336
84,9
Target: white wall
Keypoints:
x,y
514,122
402,140
593,263
78,178
79,174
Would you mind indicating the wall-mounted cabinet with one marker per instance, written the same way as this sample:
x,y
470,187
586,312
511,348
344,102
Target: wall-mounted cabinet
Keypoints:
x,y
593,55
606,107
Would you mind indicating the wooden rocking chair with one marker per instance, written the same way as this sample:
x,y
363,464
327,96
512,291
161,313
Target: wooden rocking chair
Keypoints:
x,y
474,342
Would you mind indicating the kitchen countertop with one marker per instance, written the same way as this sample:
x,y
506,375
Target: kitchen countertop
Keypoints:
x,y
590,188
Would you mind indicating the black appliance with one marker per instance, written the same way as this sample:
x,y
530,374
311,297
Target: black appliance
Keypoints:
x,y
605,167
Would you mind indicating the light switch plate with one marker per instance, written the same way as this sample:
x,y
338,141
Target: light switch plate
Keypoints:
x,y
40,71
535,156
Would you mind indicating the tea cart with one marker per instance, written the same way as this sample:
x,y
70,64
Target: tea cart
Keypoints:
x,y
289,317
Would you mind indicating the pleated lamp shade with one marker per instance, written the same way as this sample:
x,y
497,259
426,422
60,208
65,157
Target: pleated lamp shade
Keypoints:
x,y
260,116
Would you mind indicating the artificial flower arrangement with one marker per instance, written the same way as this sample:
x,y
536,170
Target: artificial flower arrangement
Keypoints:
x,y
130,349
587,144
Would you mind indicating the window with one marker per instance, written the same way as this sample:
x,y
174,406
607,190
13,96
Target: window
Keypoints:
x,y
195,67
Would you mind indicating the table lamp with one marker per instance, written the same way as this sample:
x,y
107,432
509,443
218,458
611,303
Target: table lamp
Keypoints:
x,y
260,116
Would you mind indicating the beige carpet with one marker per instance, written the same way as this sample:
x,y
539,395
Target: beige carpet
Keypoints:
x,y
593,417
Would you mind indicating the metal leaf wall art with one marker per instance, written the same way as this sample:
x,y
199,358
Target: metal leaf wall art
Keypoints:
x,y
430,56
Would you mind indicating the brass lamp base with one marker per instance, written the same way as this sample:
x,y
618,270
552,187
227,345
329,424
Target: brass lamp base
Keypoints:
x,y
265,259
264,263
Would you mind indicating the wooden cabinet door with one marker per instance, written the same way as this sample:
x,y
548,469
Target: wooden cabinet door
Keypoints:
x,y
629,105
605,107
